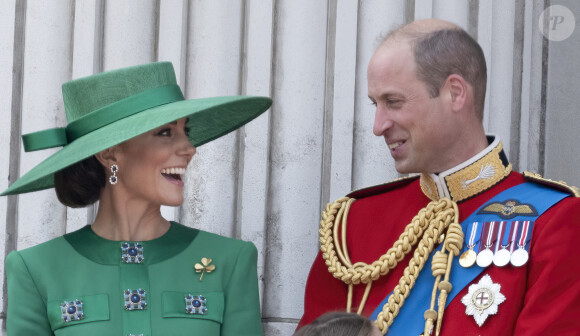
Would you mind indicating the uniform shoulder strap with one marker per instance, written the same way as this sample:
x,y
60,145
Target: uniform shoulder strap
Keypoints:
x,y
382,188
559,185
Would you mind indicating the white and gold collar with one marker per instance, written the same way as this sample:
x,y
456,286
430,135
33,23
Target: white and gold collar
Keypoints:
x,y
471,177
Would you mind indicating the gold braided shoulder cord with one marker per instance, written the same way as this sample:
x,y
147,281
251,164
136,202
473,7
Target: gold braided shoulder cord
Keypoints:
x,y
428,225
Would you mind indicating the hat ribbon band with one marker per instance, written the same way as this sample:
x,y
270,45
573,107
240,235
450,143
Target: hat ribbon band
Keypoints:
x,y
49,138
121,109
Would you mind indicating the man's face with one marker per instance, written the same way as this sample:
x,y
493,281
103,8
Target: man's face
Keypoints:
x,y
416,127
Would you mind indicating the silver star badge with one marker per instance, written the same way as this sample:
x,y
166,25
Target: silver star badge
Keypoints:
x,y
483,299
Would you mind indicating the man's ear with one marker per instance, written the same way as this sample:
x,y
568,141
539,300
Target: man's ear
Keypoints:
x,y
107,157
459,91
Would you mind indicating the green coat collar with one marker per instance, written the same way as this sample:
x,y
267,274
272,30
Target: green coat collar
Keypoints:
x,y
108,252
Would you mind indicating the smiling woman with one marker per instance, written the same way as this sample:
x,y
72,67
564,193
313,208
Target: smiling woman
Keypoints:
x,y
129,140
159,156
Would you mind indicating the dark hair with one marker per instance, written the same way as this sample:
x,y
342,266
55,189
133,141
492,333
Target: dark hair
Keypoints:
x,y
80,184
337,324
441,53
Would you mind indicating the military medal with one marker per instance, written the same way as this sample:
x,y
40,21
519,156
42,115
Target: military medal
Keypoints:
x,y
467,258
485,257
483,299
502,255
520,256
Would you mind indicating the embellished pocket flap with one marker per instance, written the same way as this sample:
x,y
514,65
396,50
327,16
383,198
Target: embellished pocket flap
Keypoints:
x,y
206,306
78,310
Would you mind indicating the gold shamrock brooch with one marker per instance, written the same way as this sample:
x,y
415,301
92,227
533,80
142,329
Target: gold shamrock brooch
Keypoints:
x,y
204,267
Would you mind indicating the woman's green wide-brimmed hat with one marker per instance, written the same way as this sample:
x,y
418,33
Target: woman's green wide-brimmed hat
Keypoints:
x,y
108,108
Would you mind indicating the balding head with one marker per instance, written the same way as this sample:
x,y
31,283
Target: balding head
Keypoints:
x,y
440,49
417,29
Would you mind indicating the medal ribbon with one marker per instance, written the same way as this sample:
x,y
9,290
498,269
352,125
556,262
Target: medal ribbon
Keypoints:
x,y
524,235
499,232
489,235
514,234
473,233
483,238
506,235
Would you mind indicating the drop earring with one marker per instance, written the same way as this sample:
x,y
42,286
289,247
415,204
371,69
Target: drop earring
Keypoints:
x,y
113,178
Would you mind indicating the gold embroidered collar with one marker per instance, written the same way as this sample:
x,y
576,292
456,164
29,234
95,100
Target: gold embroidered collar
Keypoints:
x,y
470,178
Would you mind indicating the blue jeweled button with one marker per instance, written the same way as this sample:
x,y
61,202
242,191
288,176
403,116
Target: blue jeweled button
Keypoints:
x,y
132,253
135,299
72,310
195,304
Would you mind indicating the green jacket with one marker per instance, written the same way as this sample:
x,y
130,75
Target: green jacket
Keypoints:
x,y
88,273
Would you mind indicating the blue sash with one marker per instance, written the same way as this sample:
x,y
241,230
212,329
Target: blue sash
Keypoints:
x,y
410,320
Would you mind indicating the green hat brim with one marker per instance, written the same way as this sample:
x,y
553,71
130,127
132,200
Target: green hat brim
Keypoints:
x,y
209,119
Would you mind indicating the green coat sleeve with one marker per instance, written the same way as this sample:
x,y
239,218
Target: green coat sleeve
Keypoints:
x,y
26,313
242,302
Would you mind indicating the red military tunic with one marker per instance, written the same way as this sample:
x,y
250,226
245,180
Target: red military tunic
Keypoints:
x,y
542,297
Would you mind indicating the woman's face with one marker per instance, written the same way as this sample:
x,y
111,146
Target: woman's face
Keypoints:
x,y
151,165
